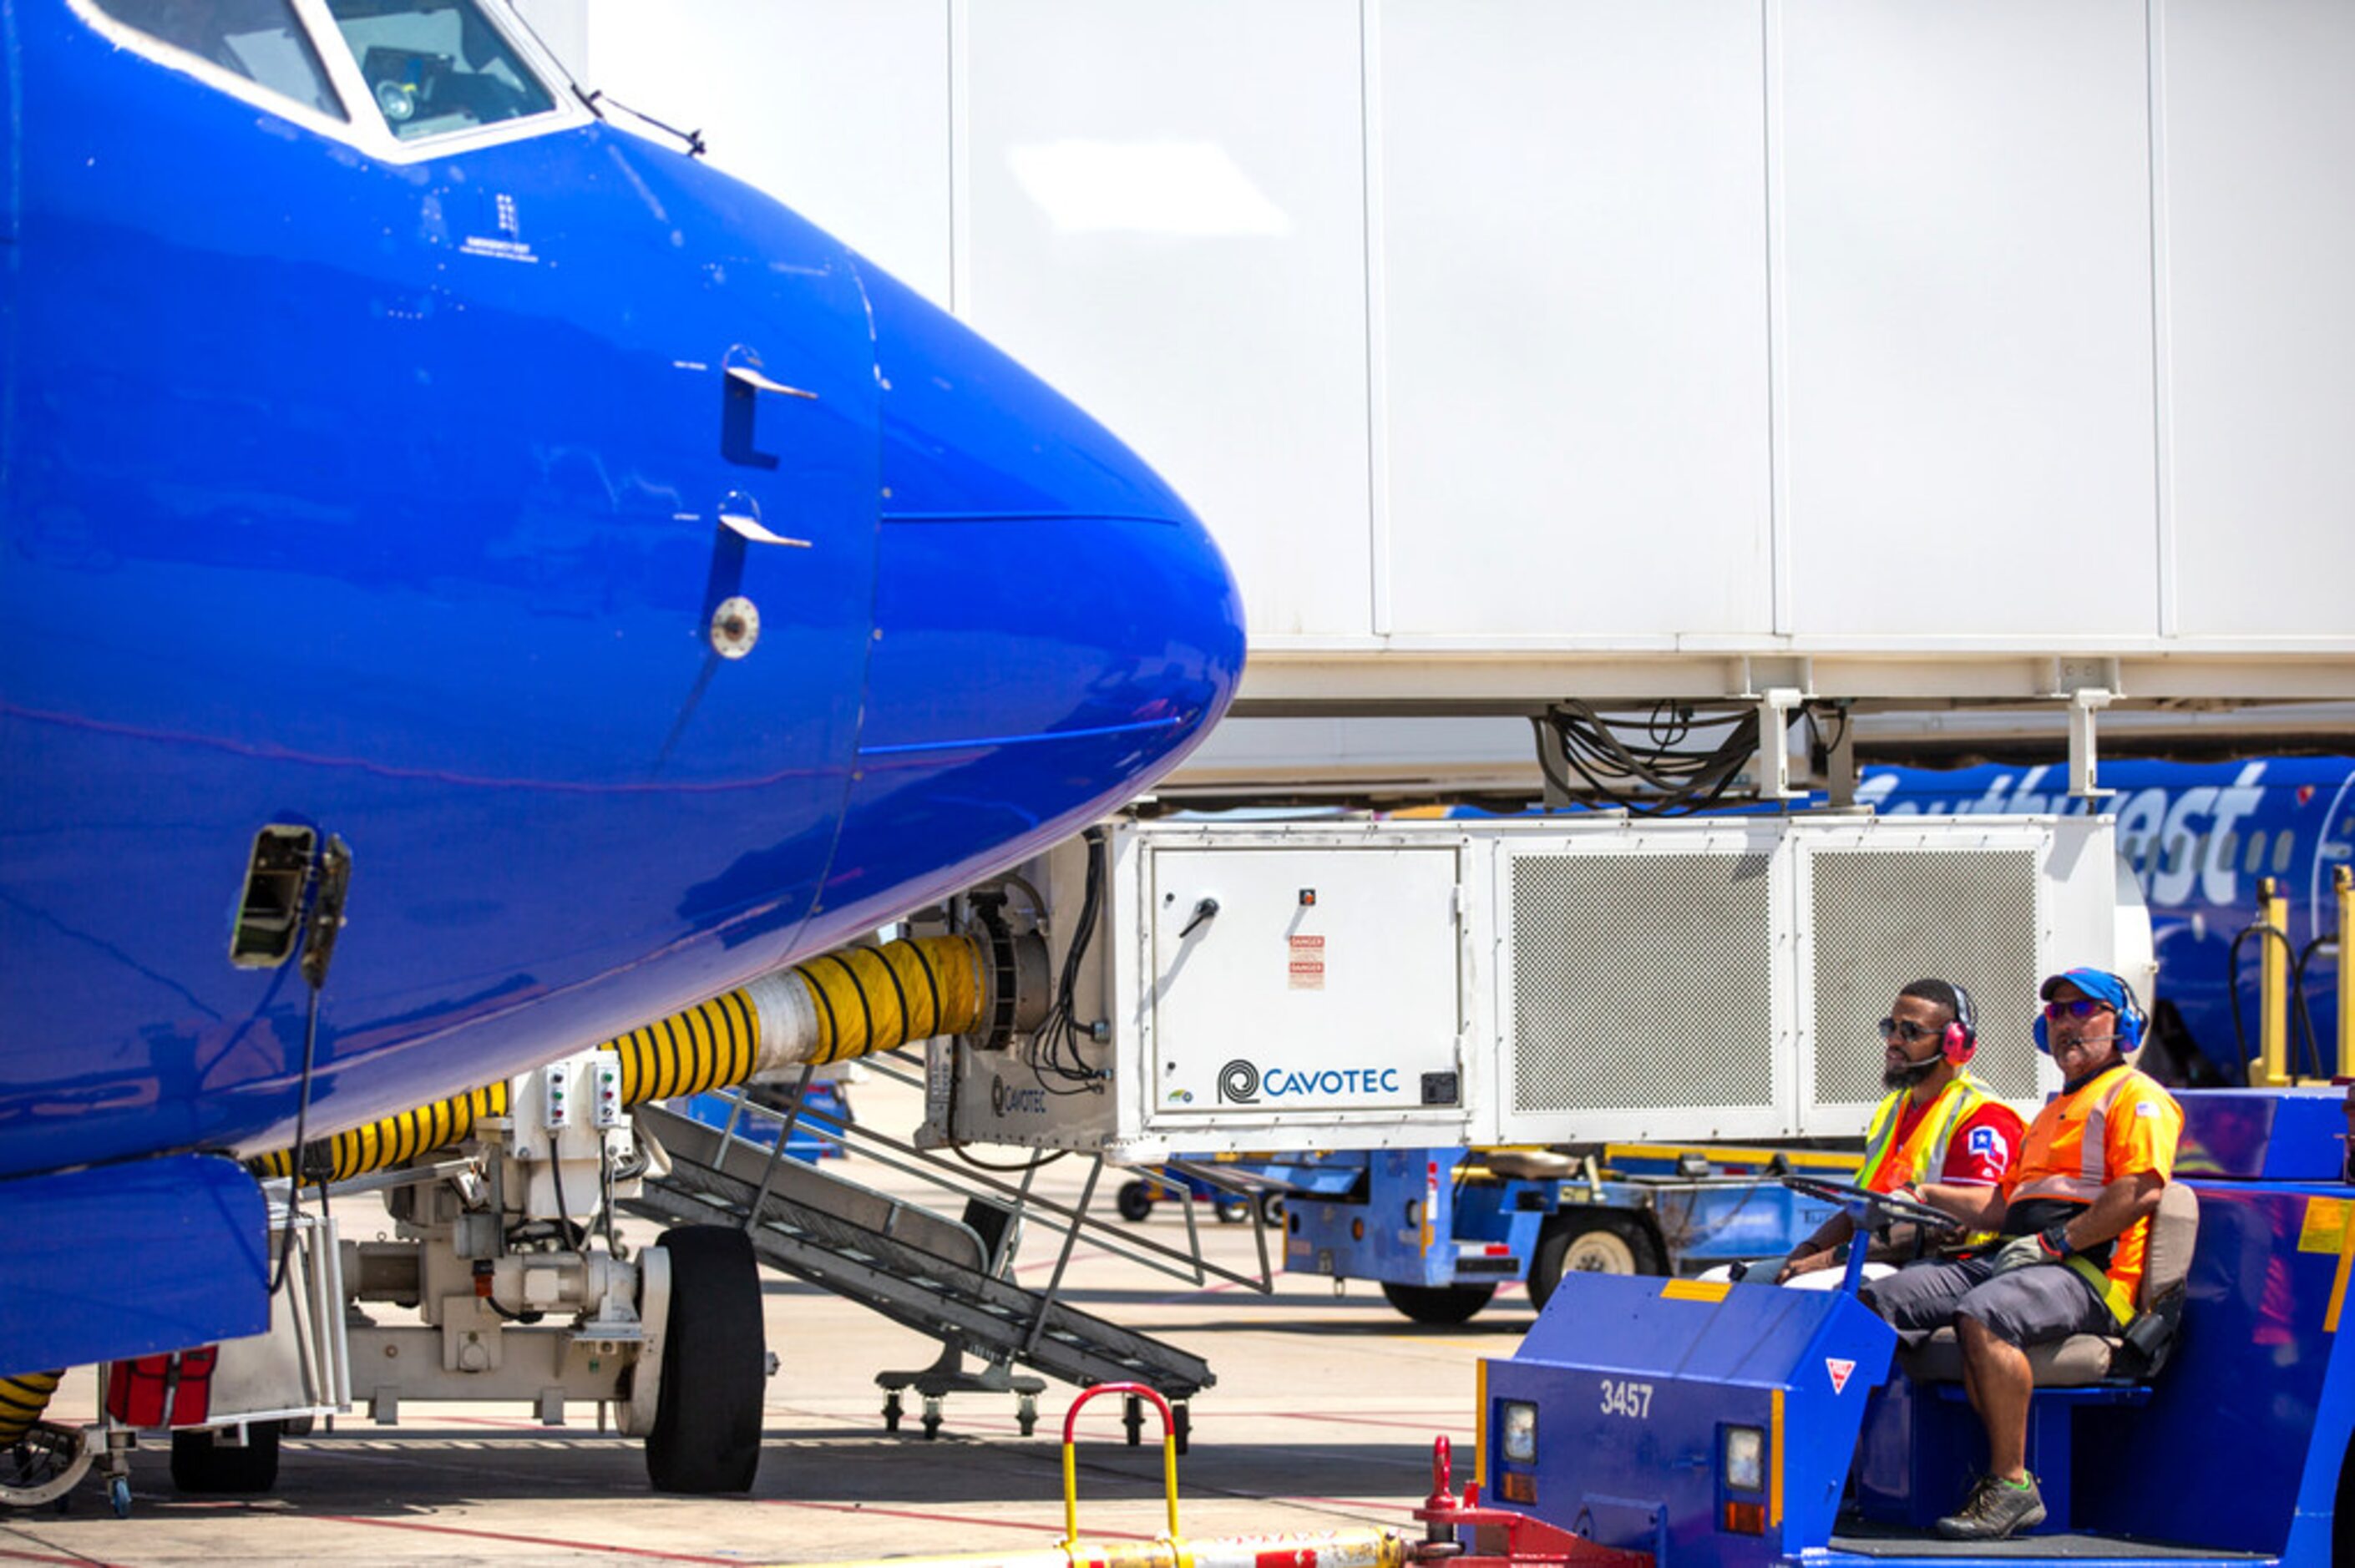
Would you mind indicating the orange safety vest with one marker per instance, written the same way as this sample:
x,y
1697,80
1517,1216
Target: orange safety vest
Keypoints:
x,y
1956,1103
2071,1161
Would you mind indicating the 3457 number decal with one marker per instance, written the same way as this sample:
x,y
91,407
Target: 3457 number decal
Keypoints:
x,y
1631,1400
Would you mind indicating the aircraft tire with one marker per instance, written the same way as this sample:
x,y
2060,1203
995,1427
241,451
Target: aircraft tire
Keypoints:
x,y
1440,1305
1594,1241
1135,1201
707,1431
201,1467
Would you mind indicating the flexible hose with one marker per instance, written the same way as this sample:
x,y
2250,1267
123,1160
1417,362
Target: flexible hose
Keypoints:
x,y
375,1145
837,1006
22,1399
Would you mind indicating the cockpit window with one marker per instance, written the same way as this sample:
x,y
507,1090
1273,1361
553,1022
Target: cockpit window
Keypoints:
x,y
436,66
257,40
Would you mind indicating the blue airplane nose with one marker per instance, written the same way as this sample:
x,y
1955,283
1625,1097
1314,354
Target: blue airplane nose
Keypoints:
x,y
1054,628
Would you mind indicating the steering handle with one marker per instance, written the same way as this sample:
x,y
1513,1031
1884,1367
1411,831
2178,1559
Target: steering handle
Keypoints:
x,y
1885,1207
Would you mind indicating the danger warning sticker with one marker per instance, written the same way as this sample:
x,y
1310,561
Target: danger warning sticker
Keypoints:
x,y
1306,964
1839,1370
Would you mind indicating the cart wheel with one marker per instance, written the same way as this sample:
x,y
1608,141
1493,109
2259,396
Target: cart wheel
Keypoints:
x,y
1132,1416
1135,1201
1181,1418
1026,1414
202,1466
932,1418
118,1495
1438,1304
1271,1207
707,1431
891,1410
1232,1211
1594,1242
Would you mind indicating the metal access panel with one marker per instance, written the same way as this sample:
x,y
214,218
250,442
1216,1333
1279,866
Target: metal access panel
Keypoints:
x,y
1638,991
1724,980
1315,979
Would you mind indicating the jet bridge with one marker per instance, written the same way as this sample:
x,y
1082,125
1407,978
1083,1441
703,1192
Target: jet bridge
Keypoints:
x,y
1558,981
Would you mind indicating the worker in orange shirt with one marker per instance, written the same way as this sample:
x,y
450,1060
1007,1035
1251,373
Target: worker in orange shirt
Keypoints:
x,y
1939,1123
2077,1206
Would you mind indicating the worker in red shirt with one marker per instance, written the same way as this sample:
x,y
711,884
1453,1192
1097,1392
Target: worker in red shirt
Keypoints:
x,y
1938,1123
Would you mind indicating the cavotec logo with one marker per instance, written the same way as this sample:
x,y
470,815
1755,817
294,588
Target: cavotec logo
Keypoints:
x,y
1243,1083
1008,1101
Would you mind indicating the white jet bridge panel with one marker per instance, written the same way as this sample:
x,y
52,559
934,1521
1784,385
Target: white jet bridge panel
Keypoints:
x,y
1524,351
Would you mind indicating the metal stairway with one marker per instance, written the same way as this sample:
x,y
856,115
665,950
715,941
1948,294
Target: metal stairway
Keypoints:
x,y
935,1274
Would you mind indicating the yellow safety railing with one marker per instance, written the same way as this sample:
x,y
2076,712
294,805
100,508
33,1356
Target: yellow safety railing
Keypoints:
x,y
1072,1459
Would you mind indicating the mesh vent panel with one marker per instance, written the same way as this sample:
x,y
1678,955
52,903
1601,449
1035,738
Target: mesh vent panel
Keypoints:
x,y
1624,966
1882,918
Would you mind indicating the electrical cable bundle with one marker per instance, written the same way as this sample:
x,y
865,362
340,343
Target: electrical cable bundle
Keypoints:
x,y
1677,759
1055,1050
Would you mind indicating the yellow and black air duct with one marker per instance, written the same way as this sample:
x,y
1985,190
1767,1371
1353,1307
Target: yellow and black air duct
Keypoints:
x,y
852,1002
23,1398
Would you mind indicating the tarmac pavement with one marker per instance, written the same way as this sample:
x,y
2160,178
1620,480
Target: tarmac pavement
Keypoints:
x,y
1322,1418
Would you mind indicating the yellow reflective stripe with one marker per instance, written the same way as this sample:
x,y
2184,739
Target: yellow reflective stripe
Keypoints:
x,y
1879,1139
2338,1281
1695,1290
1774,1462
2075,1189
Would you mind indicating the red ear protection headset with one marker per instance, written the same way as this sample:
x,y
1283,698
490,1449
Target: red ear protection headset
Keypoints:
x,y
1960,1038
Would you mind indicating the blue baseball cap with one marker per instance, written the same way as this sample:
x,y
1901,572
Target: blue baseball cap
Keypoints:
x,y
2101,986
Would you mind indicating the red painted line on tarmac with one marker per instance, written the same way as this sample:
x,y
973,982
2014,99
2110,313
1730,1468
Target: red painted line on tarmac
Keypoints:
x,y
1048,1263
1053,1530
1360,1419
529,1540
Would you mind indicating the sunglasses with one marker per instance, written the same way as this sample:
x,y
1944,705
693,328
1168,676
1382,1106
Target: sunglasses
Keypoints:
x,y
1907,1030
2081,1007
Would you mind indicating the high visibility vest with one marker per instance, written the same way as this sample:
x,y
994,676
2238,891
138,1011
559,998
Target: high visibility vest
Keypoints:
x,y
1955,1104
1926,1150
2076,1168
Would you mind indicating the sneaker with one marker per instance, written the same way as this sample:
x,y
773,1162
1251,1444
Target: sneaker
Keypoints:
x,y
1995,1510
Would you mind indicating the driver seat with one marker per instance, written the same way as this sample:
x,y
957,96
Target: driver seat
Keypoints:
x,y
2084,1369
2083,1360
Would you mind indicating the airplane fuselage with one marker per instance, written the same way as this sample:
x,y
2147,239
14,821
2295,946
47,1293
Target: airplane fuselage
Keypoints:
x,y
2197,839
400,487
